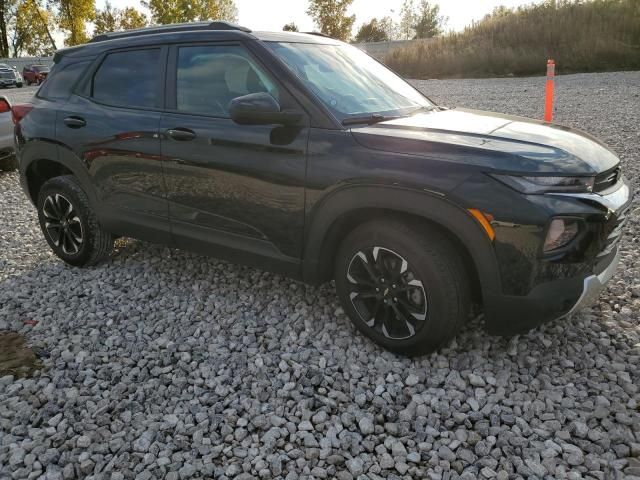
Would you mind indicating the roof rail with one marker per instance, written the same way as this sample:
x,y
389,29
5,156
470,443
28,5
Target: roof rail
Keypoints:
x,y
170,28
319,34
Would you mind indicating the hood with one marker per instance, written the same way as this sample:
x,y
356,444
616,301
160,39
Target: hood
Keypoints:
x,y
501,142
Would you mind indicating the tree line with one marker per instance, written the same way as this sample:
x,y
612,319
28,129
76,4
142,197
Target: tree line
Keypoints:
x,y
415,20
27,27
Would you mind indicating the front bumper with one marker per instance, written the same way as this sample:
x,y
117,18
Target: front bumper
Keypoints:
x,y
594,284
572,285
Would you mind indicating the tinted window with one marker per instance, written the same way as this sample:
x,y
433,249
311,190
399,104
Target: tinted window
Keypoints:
x,y
130,78
209,77
61,80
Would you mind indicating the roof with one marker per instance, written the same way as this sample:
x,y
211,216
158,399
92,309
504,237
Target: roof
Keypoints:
x,y
173,33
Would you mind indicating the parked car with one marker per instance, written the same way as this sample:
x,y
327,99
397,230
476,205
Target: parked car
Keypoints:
x,y
35,74
7,157
302,155
9,77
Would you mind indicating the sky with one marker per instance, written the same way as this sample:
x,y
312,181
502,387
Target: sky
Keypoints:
x,y
274,14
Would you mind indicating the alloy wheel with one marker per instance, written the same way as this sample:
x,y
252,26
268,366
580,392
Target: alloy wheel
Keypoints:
x,y
387,294
63,224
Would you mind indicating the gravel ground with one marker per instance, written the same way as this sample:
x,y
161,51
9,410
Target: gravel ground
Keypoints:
x,y
161,363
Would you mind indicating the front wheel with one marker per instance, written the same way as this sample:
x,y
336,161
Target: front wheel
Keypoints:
x,y
403,286
69,225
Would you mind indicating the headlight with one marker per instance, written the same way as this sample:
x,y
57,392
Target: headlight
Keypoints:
x,y
539,184
560,233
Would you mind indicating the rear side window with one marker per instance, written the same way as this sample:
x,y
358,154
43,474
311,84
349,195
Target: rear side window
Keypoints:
x,y
61,80
130,79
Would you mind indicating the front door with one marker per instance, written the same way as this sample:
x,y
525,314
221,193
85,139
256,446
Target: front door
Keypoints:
x,y
230,187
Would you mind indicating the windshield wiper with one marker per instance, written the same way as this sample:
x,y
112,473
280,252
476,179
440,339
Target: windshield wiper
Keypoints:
x,y
423,108
368,119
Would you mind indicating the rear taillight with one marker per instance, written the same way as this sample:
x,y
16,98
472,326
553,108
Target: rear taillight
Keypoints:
x,y
19,111
5,106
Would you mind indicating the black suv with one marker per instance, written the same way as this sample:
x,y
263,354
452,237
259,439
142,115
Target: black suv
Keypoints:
x,y
302,155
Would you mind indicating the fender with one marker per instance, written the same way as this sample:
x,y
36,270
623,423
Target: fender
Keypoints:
x,y
429,206
44,149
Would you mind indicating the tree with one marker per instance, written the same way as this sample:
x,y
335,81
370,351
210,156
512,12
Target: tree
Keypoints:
x,y
407,20
72,16
390,27
106,20
31,30
331,17
372,32
113,19
178,11
290,27
429,22
131,18
7,16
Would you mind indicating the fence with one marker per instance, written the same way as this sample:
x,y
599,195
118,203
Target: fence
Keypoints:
x,y
19,63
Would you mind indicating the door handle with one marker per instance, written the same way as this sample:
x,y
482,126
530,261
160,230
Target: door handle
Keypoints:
x,y
181,134
74,122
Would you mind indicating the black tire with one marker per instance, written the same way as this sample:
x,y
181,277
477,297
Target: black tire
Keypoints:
x,y
95,243
433,271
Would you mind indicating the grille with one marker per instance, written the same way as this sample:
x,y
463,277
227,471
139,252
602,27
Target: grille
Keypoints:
x,y
606,180
614,233
7,75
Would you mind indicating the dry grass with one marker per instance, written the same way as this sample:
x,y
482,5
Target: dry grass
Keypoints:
x,y
582,36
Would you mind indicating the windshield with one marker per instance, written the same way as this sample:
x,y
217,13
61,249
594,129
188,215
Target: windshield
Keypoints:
x,y
40,68
349,82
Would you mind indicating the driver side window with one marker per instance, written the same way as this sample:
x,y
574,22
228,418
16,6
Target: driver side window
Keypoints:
x,y
210,76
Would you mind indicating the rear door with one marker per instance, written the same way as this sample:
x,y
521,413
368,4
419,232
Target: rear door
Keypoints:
x,y
112,125
229,186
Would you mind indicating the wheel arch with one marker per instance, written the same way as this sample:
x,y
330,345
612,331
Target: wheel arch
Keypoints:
x,y
345,209
40,161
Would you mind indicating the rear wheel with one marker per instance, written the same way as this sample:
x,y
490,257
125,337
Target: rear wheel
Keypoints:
x,y
404,287
69,225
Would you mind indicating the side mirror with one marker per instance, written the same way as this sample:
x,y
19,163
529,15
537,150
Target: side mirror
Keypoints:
x,y
5,106
261,109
